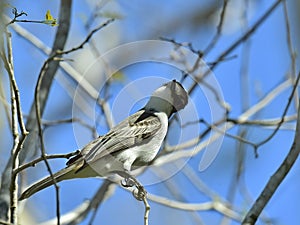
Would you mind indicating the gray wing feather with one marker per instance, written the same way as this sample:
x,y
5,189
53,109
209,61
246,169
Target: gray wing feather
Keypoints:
x,y
125,135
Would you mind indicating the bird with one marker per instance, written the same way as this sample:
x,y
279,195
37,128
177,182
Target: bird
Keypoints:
x,y
132,143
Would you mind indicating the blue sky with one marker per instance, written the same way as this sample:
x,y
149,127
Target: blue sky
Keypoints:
x,y
269,63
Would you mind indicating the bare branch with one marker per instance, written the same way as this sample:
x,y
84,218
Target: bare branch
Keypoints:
x,y
77,215
89,89
5,223
227,126
17,122
147,211
31,124
89,36
214,205
248,114
275,180
53,156
240,40
51,21
247,34
42,74
283,114
292,52
219,29
70,216
263,122
69,70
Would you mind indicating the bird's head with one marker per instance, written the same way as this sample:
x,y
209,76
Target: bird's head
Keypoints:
x,y
169,98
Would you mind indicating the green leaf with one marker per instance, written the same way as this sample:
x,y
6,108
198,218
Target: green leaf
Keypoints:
x,y
49,19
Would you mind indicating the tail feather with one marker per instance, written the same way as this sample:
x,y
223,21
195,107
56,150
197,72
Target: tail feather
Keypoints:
x,y
64,174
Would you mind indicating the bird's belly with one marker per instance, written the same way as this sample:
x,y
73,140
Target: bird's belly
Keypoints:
x,y
147,151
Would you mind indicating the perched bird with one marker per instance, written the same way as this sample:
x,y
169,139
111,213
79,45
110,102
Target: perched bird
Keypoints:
x,y
132,143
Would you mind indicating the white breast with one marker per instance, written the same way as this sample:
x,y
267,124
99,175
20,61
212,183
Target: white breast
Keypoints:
x,y
151,148
147,151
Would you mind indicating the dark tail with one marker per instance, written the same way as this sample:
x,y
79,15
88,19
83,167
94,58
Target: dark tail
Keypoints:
x,y
64,174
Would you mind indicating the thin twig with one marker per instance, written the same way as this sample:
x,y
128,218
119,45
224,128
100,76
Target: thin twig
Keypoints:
x,y
226,126
210,205
237,137
139,193
275,180
194,179
219,29
239,121
289,40
17,15
147,210
264,122
39,106
142,195
26,21
283,114
48,123
247,34
239,156
237,43
292,53
87,38
40,131
53,156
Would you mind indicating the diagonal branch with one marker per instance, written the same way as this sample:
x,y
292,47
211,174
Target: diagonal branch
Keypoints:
x,y
275,180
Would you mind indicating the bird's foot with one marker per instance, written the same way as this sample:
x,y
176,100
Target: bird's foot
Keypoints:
x,y
139,193
129,181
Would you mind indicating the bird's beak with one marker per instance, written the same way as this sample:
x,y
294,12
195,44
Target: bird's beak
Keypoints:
x,y
173,85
